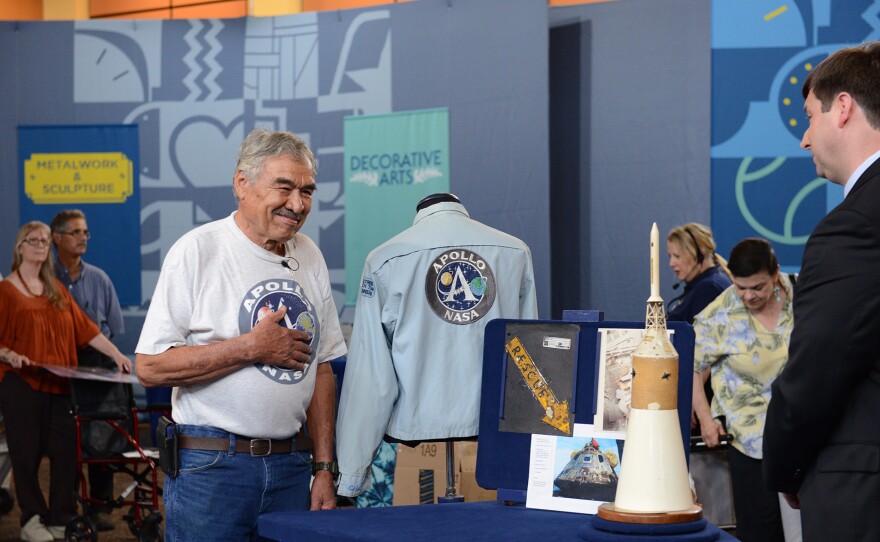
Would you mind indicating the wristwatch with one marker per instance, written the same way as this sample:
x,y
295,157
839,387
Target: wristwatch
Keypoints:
x,y
329,466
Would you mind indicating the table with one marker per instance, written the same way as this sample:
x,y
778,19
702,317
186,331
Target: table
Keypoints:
x,y
477,521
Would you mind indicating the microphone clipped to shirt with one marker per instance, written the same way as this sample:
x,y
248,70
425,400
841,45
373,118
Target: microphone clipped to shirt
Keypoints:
x,y
286,264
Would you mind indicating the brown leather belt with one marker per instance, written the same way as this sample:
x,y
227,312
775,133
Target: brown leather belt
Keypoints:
x,y
254,446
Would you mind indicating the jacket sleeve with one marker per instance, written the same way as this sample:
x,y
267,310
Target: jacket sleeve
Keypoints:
x,y
528,300
833,347
369,389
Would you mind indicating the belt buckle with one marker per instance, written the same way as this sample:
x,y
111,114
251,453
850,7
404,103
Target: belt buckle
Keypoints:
x,y
258,451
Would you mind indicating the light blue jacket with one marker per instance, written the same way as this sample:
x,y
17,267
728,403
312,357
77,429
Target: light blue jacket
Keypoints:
x,y
415,363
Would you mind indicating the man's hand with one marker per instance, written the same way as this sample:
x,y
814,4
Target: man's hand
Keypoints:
x,y
792,499
280,346
711,431
323,491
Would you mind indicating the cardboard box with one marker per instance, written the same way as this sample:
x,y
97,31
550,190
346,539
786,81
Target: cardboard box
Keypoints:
x,y
420,473
469,488
427,455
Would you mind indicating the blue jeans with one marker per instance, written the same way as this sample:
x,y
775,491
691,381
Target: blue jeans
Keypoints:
x,y
219,495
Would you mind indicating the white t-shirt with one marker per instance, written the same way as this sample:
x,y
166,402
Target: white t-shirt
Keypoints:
x,y
215,285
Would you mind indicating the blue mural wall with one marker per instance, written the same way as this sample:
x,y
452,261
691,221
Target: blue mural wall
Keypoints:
x,y
660,120
763,183
194,88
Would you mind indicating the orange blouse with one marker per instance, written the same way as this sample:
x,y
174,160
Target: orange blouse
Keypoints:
x,y
33,327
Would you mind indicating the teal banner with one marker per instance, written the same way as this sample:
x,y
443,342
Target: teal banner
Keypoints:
x,y
391,162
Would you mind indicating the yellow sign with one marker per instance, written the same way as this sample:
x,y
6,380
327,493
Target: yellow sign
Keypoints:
x,y
556,413
78,177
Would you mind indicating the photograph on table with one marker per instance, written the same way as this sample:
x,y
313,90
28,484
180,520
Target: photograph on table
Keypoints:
x,y
574,474
615,377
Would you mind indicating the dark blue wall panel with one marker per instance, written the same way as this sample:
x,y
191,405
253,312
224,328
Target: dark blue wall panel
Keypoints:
x,y
643,127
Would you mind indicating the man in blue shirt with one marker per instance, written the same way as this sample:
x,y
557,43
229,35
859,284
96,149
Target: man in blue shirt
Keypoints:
x,y
93,291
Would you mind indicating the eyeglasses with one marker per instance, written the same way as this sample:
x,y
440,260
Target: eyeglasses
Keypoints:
x,y
77,233
37,242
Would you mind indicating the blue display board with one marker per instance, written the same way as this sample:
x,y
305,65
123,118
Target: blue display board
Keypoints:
x,y
93,169
503,458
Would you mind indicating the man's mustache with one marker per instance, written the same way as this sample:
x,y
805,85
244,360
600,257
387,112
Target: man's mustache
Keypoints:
x,y
289,214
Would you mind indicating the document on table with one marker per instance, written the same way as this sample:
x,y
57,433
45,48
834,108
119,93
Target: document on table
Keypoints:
x,y
574,474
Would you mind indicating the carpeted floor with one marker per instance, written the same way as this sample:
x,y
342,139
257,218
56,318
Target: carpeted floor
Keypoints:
x,y
9,523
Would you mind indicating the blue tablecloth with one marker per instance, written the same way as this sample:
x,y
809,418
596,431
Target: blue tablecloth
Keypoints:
x,y
478,521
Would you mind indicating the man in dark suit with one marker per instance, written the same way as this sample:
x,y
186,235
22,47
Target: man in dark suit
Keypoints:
x,y
822,436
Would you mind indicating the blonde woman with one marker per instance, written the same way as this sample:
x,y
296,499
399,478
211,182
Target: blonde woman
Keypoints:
x,y
41,325
704,273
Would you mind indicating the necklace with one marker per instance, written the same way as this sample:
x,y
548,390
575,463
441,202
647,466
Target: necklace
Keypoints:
x,y
23,283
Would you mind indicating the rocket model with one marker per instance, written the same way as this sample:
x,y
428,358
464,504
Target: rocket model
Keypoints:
x,y
653,485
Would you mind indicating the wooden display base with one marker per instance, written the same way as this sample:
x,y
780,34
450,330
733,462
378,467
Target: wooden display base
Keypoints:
x,y
612,513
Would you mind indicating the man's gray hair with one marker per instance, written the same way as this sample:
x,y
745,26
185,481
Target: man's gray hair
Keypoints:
x,y
261,144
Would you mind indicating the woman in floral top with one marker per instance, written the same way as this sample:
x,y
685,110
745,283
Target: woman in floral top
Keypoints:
x,y
743,337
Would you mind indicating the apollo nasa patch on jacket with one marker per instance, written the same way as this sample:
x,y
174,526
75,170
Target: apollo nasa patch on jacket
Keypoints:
x,y
268,296
460,286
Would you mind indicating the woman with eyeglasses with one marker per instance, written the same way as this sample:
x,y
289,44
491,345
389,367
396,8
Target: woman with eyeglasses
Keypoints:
x,y
41,325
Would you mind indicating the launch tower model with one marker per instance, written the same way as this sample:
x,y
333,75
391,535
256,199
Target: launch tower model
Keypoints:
x,y
653,486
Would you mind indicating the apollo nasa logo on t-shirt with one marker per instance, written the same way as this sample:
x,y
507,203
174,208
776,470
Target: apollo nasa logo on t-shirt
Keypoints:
x,y
460,286
268,296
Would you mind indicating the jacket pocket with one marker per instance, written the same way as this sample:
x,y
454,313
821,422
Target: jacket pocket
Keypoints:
x,y
853,457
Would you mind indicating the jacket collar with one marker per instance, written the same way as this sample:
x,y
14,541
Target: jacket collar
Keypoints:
x,y
443,207
872,171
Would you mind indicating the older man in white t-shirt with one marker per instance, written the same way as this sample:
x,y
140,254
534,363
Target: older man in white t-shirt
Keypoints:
x,y
242,323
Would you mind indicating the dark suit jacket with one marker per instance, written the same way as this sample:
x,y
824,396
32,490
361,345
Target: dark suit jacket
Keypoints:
x,y
822,437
